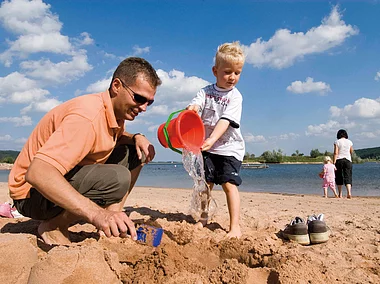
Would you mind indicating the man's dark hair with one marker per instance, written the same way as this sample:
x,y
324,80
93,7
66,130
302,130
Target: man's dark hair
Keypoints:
x,y
130,68
342,134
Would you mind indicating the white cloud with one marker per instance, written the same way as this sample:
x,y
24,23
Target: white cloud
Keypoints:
x,y
140,50
41,106
285,47
28,96
24,17
61,72
38,31
159,109
99,86
361,108
324,129
17,121
178,88
377,76
5,138
309,86
84,39
37,28
289,136
17,88
250,138
21,140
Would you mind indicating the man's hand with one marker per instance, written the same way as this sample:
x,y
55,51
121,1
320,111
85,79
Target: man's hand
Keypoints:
x,y
144,146
114,223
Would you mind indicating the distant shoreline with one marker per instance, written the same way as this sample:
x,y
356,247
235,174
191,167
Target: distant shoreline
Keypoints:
x,y
5,166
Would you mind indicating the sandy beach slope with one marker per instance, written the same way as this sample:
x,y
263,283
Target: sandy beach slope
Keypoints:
x,y
191,255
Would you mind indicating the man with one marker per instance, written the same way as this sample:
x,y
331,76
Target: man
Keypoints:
x,y
66,173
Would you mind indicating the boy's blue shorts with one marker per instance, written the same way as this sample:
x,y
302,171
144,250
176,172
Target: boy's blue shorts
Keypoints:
x,y
221,169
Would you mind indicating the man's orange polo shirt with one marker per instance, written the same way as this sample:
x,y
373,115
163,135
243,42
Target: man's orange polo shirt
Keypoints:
x,y
81,131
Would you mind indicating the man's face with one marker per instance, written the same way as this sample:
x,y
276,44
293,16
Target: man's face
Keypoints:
x,y
130,100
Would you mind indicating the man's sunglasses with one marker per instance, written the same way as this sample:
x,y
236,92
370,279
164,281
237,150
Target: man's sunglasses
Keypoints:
x,y
136,97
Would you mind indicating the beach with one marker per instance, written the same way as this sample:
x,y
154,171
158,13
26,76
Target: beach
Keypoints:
x,y
188,254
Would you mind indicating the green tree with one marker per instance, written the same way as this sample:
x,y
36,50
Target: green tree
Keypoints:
x,y
315,153
8,160
273,157
297,154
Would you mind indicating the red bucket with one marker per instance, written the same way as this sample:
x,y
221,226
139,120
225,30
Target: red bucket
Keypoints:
x,y
186,131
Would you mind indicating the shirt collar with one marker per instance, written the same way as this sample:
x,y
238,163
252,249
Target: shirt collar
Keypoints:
x,y
110,114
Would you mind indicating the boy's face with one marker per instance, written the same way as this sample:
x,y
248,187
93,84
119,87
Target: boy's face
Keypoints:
x,y
227,74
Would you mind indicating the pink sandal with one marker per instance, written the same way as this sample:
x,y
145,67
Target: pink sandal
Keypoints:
x,y
7,211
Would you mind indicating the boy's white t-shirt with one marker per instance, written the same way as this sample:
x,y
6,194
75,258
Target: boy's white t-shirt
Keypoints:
x,y
344,146
216,103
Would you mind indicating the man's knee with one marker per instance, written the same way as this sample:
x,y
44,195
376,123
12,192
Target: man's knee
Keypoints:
x,y
119,182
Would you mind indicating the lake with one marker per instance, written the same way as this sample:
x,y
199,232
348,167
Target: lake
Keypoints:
x,y
278,178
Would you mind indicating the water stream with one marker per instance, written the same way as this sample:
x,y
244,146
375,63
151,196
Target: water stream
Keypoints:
x,y
202,203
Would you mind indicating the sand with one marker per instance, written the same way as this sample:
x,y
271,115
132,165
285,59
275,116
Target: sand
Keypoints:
x,y
191,255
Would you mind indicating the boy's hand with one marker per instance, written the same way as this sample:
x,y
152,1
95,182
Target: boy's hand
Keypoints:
x,y
208,144
194,108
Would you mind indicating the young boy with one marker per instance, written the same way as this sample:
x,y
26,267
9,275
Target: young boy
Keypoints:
x,y
220,107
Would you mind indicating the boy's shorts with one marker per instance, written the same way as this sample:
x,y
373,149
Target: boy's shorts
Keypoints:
x,y
221,169
104,184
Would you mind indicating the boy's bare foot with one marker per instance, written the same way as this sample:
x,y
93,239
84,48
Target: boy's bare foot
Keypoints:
x,y
53,236
234,234
349,196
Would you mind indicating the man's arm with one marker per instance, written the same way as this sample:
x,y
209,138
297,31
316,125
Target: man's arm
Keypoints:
x,y
51,184
142,144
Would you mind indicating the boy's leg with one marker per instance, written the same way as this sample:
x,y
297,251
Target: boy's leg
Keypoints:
x,y
233,203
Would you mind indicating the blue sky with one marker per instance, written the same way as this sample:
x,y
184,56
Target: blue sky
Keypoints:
x,y
312,67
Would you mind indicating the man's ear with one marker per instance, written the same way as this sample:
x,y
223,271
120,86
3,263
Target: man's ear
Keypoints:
x,y
116,85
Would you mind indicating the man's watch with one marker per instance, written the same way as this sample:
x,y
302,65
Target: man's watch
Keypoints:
x,y
134,136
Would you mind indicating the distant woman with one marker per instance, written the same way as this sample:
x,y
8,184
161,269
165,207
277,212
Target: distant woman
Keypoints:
x,y
343,162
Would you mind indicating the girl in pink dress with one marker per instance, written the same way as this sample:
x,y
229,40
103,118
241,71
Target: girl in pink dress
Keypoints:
x,y
328,175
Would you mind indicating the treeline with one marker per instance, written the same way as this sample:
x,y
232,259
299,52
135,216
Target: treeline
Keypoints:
x,y
8,156
277,156
369,153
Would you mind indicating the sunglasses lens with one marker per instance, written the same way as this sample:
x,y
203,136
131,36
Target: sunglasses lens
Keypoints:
x,y
142,100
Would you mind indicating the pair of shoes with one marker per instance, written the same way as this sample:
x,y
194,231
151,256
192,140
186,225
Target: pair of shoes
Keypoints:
x,y
7,211
315,231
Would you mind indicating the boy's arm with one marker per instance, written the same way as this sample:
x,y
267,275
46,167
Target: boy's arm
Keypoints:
x,y
219,130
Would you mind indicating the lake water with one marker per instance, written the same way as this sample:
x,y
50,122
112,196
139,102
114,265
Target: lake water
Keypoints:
x,y
279,178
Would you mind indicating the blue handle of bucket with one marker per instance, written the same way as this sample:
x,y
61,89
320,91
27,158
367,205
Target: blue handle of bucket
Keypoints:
x,y
166,134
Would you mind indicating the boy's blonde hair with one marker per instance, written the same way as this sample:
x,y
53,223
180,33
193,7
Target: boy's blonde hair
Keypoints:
x,y
327,159
229,52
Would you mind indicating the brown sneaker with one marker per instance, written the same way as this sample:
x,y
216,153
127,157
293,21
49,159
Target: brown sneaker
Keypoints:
x,y
318,230
297,231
